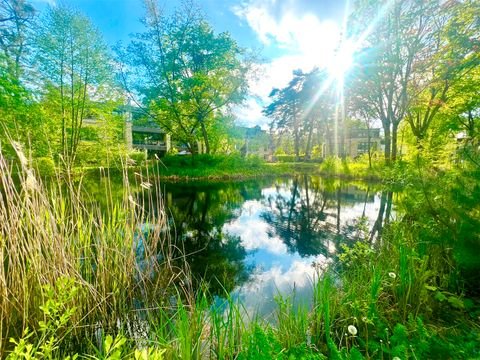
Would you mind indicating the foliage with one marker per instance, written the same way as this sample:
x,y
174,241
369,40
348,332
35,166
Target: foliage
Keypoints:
x,y
303,106
188,76
45,166
73,65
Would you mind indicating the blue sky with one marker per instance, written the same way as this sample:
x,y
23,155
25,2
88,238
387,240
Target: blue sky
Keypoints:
x,y
291,34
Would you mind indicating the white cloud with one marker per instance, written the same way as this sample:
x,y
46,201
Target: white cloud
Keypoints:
x,y
302,33
253,232
302,40
250,113
259,293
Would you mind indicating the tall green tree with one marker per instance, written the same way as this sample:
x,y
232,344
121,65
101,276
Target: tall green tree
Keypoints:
x,y
285,110
451,64
303,109
18,119
186,76
16,18
74,67
395,35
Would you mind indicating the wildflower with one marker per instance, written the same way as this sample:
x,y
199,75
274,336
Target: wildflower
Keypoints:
x,y
392,275
352,330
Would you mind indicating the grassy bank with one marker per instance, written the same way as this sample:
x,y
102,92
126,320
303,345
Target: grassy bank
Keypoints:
x,y
232,167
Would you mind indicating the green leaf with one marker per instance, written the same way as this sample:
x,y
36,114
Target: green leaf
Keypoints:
x,y
440,296
456,302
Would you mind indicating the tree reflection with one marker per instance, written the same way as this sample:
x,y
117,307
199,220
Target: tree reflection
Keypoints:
x,y
198,215
308,220
301,219
383,217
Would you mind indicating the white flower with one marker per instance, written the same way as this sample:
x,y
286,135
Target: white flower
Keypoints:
x,y
352,330
392,275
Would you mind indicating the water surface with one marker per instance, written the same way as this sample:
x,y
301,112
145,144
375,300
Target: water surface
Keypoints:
x,y
258,239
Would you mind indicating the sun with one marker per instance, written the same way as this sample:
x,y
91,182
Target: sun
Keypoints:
x,y
342,61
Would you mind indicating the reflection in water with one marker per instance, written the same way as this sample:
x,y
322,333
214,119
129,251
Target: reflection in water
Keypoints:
x,y
256,239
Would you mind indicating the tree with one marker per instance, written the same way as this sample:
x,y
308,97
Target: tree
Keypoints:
x,y
398,39
450,63
19,118
366,117
285,109
302,108
186,75
15,19
73,65
317,107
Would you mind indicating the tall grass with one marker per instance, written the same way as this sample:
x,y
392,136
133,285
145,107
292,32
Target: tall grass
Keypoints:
x,y
50,231
104,282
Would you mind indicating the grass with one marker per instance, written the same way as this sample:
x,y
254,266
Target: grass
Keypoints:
x,y
49,233
234,167
77,281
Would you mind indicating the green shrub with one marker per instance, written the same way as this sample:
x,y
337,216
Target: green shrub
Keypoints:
x,y
45,166
137,157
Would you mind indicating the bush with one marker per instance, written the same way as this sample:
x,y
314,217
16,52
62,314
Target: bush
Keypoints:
x,y
286,158
45,166
137,157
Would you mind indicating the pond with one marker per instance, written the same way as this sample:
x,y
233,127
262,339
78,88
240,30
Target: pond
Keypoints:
x,y
258,239
255,240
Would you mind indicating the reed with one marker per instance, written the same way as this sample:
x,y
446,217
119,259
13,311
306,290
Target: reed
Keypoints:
x,y
120,257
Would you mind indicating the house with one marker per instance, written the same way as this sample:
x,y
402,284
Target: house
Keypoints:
x,y
142,134
252,141
139,133
356,143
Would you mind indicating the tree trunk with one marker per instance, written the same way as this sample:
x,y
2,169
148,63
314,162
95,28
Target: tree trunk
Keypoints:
x,y
205,137
297,145
394,141
341,150
308,149
369,148
387,143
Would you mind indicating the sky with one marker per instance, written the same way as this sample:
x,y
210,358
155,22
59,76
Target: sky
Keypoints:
x,y
290,35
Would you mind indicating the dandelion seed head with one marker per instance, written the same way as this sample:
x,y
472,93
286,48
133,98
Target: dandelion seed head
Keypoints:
x,y
352,330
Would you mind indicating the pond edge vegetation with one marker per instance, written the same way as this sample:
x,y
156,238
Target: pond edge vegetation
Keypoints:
x,y
73,276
